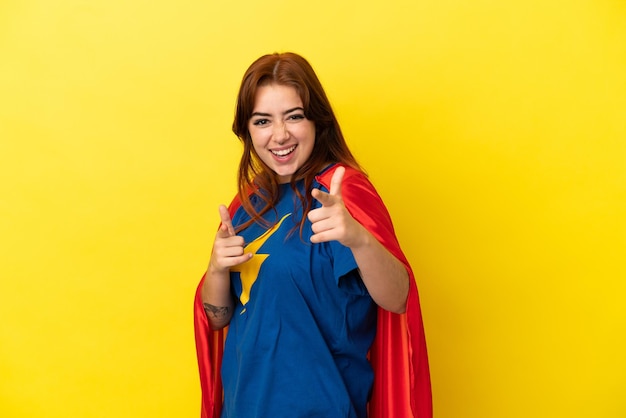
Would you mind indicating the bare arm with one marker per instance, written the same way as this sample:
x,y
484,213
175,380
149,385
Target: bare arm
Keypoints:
x,y
217,300
385,277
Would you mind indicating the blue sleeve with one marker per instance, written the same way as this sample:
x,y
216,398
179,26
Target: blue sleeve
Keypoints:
x,y
345,270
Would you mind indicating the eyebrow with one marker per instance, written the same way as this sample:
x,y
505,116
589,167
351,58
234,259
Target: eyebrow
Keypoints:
x,y
286,112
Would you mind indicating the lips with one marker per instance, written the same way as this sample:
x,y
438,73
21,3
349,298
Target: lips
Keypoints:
x,y
284,152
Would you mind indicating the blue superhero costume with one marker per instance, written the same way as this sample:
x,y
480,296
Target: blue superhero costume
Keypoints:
x,y
290,314
302,326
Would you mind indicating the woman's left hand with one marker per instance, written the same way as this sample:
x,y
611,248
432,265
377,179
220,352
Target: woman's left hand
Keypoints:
x,y
332,221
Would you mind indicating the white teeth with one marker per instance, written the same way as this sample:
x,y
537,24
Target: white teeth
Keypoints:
x,y
284,152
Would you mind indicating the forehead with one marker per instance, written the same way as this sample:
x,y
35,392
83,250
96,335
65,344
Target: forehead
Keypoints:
x,y
276,96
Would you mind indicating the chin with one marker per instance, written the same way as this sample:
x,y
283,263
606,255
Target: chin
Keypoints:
x,y
284,172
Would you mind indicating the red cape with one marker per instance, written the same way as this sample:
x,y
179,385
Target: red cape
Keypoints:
x,y
398,354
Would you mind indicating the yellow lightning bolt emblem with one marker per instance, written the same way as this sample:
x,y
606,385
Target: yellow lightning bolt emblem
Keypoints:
x,y
249,271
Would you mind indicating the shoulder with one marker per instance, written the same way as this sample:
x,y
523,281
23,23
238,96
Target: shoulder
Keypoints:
x,y
352,177
234,205
358,193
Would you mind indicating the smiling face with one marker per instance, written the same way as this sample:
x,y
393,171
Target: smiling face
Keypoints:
x,y
282,136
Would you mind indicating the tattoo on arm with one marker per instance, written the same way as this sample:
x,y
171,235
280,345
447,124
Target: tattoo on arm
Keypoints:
x,y
216,312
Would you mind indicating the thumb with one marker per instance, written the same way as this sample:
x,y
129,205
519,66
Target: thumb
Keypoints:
x,y
336,180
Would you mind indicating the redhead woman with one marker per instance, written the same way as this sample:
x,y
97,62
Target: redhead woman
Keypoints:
x,y
308,307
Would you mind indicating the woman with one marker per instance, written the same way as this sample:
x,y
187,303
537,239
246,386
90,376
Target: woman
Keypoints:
x,y
321,306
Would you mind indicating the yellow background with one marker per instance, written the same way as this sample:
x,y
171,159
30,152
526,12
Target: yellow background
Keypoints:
x,y
495,131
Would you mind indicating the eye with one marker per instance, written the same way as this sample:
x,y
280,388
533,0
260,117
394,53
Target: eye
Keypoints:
x,y
260,122
297,116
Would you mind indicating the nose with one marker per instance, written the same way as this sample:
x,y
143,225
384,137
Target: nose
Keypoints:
x,y
280,133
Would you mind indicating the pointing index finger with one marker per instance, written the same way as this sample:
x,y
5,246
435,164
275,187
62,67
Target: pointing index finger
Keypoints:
x,y
225,218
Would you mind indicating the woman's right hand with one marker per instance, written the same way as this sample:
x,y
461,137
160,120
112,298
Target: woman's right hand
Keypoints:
x,y
228,248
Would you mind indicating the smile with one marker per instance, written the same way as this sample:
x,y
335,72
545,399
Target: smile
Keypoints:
x,y
284,152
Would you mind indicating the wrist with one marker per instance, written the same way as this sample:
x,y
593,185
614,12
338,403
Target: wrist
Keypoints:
x,y
217,272
362,239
